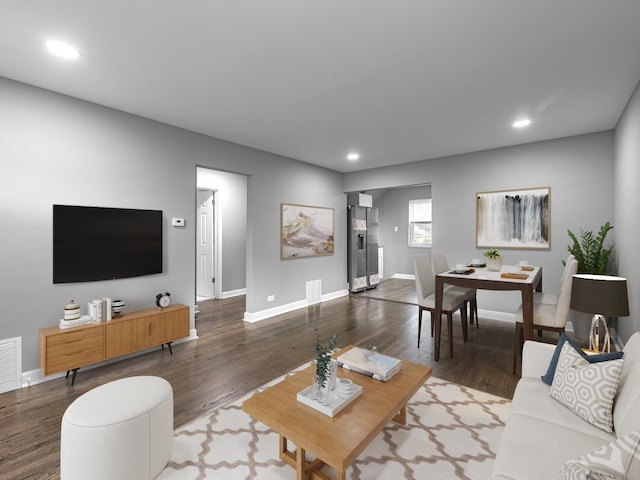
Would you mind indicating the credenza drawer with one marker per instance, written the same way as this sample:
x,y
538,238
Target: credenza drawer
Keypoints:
x,y
74,349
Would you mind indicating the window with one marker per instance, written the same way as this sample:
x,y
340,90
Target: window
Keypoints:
x,y
420,222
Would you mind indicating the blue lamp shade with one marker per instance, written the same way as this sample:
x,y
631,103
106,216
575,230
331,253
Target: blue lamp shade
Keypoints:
x,y
602,294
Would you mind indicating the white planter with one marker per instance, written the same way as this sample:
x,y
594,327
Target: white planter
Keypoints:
x,y
494,264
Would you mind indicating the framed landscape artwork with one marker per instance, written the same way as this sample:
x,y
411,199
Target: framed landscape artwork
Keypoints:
x,y
513,219
305,231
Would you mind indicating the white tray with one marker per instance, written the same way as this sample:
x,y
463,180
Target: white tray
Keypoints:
x,y
337,404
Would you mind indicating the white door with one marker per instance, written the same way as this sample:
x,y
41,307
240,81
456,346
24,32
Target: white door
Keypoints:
x,y
205,244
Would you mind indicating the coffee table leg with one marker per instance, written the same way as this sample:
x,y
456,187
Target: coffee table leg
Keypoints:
x,y
401,416
298,460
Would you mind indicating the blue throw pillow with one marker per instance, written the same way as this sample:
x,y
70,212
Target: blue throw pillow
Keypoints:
x,y
601,357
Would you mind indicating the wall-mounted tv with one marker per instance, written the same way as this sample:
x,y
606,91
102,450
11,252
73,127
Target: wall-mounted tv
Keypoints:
x,y
98,243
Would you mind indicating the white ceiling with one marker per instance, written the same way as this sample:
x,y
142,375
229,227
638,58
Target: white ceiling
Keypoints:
x,y
396,80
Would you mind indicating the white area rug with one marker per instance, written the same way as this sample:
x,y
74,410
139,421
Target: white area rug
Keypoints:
x,y
451,432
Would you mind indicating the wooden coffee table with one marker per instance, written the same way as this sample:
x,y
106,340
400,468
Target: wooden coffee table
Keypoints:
x,y
336,441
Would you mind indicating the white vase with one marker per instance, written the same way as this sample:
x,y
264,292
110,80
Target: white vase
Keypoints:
x,y
494,264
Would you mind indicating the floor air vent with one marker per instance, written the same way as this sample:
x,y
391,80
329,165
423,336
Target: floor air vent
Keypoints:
x,y
10,364
314,292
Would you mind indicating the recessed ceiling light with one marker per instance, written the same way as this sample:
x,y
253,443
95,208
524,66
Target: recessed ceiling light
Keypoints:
x,y
62,49
525,122
353,156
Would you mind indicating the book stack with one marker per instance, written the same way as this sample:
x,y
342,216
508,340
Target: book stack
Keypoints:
x,y
371,363
100,309
78,322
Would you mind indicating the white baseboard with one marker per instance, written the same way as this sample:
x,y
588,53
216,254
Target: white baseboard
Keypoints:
x,y
34,377
233,293
403,276
253,317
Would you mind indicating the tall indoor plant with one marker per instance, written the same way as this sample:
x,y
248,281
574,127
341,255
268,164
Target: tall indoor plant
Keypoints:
x,y
589,250
592,257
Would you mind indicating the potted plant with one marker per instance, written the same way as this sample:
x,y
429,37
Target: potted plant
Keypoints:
x,y
589,250
592,258
324,369
494,259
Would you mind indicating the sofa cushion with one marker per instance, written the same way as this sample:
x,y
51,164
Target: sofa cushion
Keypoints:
x,y
588,389
602,357
626,412
617,460
531,398
538,449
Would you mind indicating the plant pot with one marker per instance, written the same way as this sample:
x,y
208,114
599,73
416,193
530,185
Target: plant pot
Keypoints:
x,y
494,264
581,322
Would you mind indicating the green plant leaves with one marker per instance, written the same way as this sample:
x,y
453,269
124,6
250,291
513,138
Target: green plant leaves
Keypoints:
x,y
589,250
323,358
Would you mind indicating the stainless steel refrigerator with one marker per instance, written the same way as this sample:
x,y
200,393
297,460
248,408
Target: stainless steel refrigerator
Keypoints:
x,y
362,243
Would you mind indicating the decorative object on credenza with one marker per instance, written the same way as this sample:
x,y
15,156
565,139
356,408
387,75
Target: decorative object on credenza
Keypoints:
x,y
325,371
100,309
601,295
163,299
494,259
513,219
305,231
71,311
117,307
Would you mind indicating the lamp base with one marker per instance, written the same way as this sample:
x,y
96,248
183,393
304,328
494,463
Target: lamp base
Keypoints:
x,y
597,333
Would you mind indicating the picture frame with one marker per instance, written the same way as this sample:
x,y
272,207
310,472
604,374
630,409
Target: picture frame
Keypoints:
x,y
306,231
514,219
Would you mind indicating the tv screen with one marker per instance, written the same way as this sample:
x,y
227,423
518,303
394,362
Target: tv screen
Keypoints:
x,y
97,243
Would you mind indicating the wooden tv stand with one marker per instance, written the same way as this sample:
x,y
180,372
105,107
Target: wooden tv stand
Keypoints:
x,y
72,348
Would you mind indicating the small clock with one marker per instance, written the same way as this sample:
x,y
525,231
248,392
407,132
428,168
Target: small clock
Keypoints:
x,y
163,299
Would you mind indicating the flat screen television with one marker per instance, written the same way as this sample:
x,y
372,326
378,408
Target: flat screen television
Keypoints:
x,y
98,243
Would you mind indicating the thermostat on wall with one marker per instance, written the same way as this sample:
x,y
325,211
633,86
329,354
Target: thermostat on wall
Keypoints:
x,y
177,222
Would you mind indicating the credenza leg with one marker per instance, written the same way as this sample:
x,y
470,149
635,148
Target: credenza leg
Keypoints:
x,y
73,377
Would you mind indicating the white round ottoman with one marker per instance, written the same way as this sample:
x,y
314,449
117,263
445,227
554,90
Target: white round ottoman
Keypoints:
x,y
119,430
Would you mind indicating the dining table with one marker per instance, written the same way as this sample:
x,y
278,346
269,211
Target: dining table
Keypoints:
x,y
510,277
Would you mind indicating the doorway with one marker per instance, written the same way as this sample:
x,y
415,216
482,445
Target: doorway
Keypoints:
x,y
221,234
206,245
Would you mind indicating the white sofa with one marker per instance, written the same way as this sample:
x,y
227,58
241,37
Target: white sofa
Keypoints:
x,y
541,434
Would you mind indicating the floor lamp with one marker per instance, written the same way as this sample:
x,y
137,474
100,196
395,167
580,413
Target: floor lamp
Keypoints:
x,y
602,295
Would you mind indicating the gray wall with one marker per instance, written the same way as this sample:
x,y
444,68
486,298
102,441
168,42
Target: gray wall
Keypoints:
x,y
231,197
578,169
393,211
57,149
627,203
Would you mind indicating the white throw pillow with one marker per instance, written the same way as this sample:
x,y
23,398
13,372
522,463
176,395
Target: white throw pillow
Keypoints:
x,y
619,459
587,389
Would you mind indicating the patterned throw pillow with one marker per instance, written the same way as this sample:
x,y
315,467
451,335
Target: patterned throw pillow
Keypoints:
x,y
586,388
619,459
599,357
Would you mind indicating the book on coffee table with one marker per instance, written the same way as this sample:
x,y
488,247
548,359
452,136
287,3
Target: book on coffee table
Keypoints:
x,y
371,363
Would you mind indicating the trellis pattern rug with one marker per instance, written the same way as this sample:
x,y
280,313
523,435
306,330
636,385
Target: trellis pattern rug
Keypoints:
x,y
451,432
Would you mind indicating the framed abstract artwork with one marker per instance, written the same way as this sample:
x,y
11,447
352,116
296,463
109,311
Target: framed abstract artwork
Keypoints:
x,y
305,231
514,219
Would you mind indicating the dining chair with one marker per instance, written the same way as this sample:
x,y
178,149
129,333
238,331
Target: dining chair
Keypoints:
x,y
451,301
552,298
440,264
547,317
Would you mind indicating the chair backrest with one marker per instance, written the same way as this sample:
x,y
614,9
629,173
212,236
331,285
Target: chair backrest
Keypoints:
x,y
566,268
564,299
425,281
439,262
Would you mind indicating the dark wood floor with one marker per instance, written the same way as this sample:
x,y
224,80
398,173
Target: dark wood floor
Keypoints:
x,y
232,357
